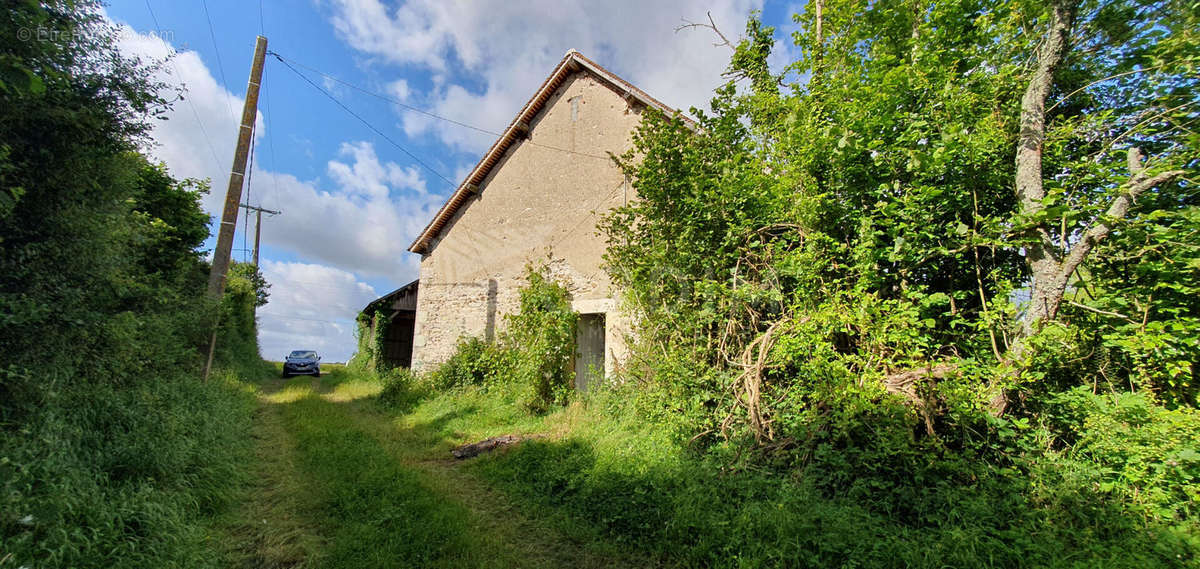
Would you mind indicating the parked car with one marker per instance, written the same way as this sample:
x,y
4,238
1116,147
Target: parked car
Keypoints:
x,y
302,362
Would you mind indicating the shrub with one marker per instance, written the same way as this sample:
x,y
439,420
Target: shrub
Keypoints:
x,y
542,337
402,389
112,452
1134,450
134,477
474,362
866,504
533,357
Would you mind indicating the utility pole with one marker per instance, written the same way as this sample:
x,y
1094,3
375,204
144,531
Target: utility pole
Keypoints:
x,y
258,226
233,195
257,235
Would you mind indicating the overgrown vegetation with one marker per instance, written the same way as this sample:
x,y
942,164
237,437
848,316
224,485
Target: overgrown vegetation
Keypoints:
x,y
852,505
603,473
112,451
369,332
836,281
532,358
925,298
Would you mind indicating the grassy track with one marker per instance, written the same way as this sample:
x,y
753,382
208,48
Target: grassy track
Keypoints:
x,y
340,484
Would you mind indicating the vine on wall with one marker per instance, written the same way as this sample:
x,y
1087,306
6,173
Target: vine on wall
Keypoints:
x,y
369,355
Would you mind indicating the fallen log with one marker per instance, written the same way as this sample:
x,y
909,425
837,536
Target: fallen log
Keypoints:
x,y
486,445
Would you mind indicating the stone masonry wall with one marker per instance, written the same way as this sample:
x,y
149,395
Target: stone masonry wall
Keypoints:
x,y
539,204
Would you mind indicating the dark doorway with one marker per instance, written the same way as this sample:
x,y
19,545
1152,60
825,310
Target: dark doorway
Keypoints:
x,y
396,311
398,339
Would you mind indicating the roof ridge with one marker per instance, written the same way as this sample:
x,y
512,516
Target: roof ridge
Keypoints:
x,y
571,62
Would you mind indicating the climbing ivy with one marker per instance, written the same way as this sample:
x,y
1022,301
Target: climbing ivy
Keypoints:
x,y
369,355
542,334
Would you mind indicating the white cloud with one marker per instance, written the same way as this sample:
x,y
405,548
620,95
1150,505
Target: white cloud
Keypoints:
x,y
510,47
311,307
367,177
199,134
359,223
363,224
399,89
361,228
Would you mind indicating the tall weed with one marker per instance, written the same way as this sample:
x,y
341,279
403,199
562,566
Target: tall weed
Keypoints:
x,y
124,477
849,506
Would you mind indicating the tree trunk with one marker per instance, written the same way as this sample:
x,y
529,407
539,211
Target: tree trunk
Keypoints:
x,y
818,40
1041,253
1051,265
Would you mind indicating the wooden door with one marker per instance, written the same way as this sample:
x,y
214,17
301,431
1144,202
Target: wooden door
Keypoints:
x,y
589,351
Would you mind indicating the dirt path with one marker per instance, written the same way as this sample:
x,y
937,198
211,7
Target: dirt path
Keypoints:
x,y
339,483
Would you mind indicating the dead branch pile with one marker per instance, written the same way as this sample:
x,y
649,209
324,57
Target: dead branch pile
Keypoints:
x,y
748,387
904,384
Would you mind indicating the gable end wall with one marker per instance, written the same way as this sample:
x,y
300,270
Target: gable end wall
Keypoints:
x,y
538,204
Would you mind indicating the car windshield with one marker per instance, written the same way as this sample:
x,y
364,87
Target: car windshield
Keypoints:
x,y
305,354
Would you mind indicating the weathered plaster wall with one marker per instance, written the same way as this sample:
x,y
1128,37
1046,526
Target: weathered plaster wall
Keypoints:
x,y
539,203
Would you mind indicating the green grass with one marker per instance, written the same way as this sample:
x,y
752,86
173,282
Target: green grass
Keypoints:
x,y
132,476
376,513
345,481
344,485
601,474
274,525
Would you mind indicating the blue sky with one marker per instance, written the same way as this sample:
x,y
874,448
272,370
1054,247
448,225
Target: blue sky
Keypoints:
x,y
351,200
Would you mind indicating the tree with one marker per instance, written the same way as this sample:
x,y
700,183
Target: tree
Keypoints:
x,y
1052,261
875,214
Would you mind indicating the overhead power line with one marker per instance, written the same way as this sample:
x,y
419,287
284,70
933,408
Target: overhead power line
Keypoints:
x,y
270,136
249,178
216,50
419,110
364,121
191,104
389,99
271,315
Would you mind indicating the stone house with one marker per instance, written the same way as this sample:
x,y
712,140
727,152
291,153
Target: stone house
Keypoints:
x,y
536,195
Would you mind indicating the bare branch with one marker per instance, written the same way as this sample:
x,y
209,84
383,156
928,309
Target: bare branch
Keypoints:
x,y
710,25
1135,127
1137,163
904,384
1101,312
1098,81
1103,225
